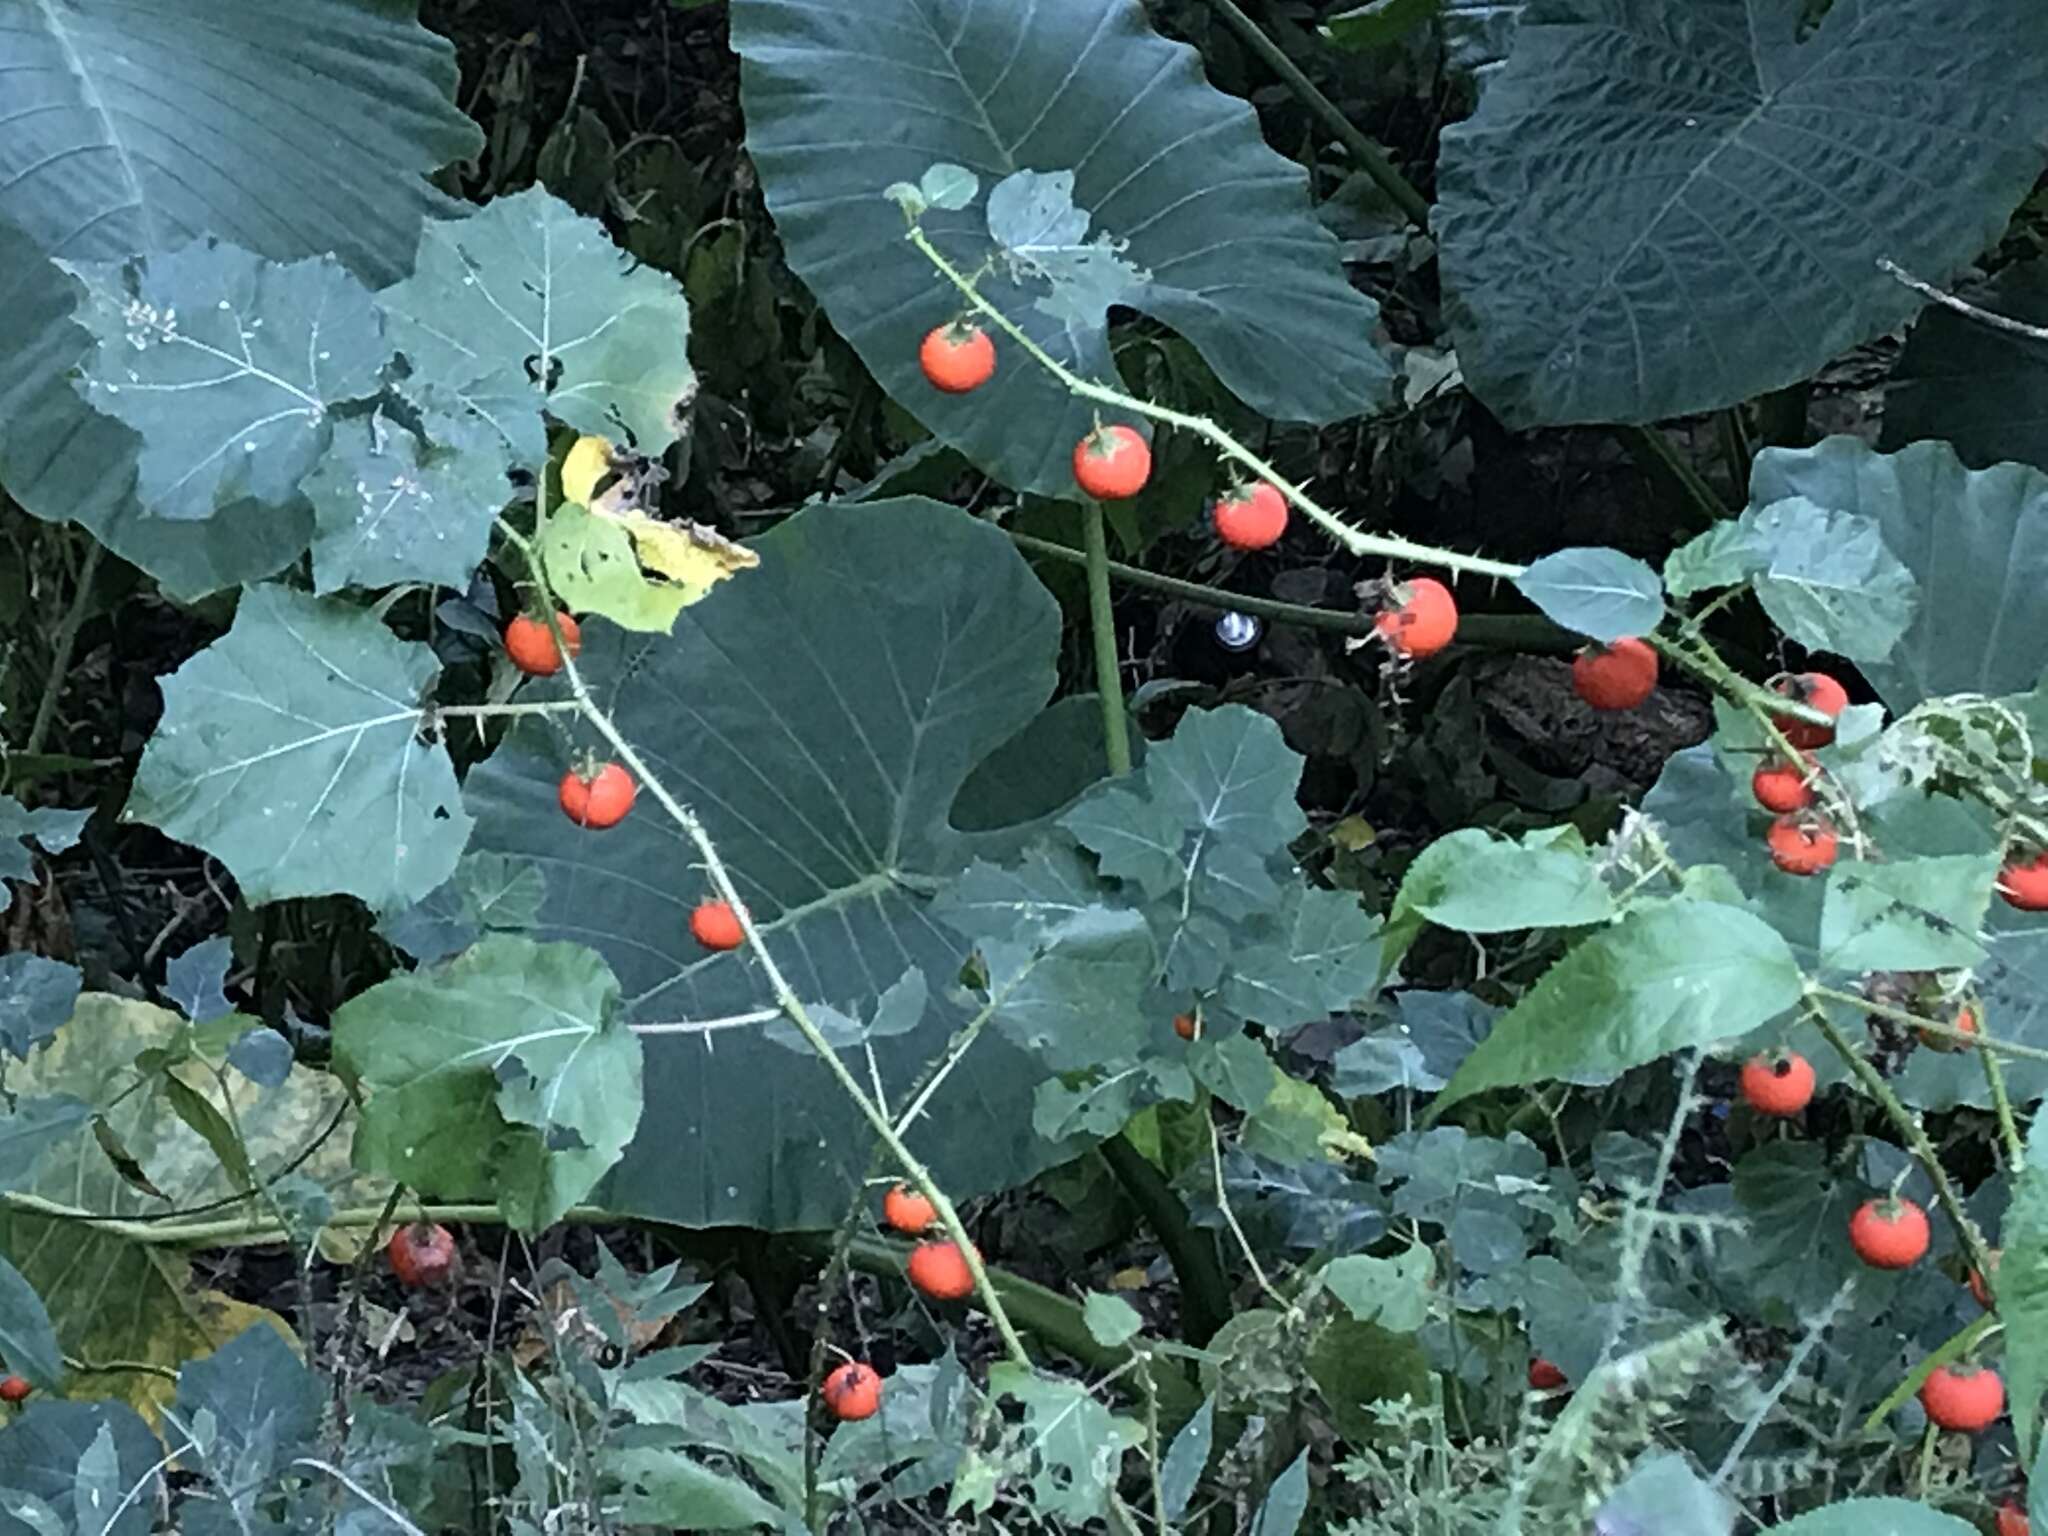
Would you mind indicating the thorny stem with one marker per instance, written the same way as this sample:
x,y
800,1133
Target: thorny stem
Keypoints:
x,y
1909,1129
60,655
1363,544
1109,682
778,985
1230,1216
2001,1106
1937,1027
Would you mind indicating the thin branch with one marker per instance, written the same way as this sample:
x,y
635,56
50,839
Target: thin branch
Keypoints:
x,y
1962,307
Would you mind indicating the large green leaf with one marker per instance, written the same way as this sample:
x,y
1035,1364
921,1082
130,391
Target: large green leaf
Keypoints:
x,y
1975,541
821,714
1664,208
841,101
2022,1282
1876,1517
135,126
291,750
1661,979
1982,389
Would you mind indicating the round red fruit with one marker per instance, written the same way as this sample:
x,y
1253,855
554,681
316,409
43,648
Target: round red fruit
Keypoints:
x,y
1251,517
1978,1288
1184,1026
1783,787
1777,1083
1963,1397
1112,463
1423,620
1889,1234
1966,1024
1544,1376
1801,844
853,1391
716,926
600,799
1617,676
2012,1520
532,647
957,358
2024,883
422,1253
14,1388
1816,690
907,1210
940,1271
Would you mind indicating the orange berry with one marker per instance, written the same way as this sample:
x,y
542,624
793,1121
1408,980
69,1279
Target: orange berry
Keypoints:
x,y
1889,1233
1251,517
1617,676
716,926
1423,622
1801,844
853,1391
1966,1024
1963,1397
907,1210
1777,1083
1112,463
957,358
532,648
940,1271
599,800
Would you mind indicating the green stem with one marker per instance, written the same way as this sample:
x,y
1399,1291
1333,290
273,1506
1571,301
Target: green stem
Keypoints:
x,y
1370,157
2001,1106
60,655
1109,682
239,1231
1938,1027
1364,544
1653,451
1909,1130
1953,1349
1204,1289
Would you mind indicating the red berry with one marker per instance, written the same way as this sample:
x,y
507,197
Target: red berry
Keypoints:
x,y
1544,1376
1978,1288
1889,1233
1963,1397
532,647
940,1270
1777,1083
2024,883
1818,691
421,1254
1801,844
1783,787
716,926
1966,1024
1617,676
853,1391
599,800
2012,1520
907,1210
1112,463
1425,618
14,1388
1184,1025
957,358
1251,517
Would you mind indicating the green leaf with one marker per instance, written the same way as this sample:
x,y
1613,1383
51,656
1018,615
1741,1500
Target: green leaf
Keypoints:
x,y
527,306
1186,1459
1827,580
1475,882
1975,541
1797,1208
79,190
228,367
27,1341
1876,1517
36,997
1317,954
1907,915
42,1455
1601,593
2022,1282
263,1403
1664,1494
504,1071
1983,390
1659,210
1660,980
821,714
1111,1320
1159,159
389,507
665,1488
1379,23
290,750
1286,1501
29,1129
51,830
1072,1446
1391,1292
1355,1365
1235,1068
1723,556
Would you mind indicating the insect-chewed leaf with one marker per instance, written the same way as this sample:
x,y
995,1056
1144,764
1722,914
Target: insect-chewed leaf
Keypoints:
x,y
227,365
506,1069
1070,1445
390,507
1827,579
529,306
290,750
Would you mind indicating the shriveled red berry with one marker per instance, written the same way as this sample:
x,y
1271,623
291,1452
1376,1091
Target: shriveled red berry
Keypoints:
x,y
1966,1398
1816,690
1978,1288
1777,1083
1544,1376
1889,1234
907,1210
957,358
1251,517
1802,844
853,1391
422,1254
1423,619
1617,676
940,1271
716,926
1112,463
2024,883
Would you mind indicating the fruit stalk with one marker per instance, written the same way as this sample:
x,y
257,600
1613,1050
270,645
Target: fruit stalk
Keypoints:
x,y
1109,683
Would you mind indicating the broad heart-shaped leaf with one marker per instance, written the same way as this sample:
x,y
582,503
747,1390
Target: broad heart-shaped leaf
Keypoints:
x,y
504,1071
1975,541
389,507
1876,1517
264,1407
290,749
44,1453
1660,209
1474,882
1661,979
820,713
228,366
1983,390
842,101
528,304
107,156
1601,593
111,1298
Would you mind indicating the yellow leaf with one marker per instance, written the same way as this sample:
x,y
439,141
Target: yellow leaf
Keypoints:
x,y
584,469
1132,1279
694,558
